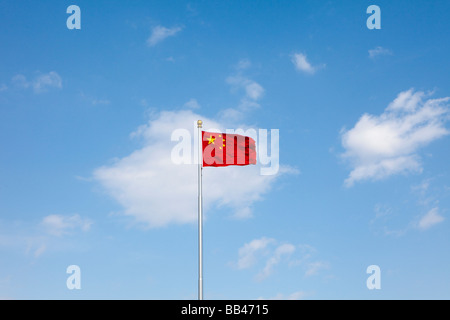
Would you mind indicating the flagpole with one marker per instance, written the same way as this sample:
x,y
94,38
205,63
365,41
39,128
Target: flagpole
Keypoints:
x,y
200,211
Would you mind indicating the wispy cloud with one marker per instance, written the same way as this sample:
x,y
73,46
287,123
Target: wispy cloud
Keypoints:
x,y
46,81
40,250
40,84
59,225
96,102
283,250
248,253
380,146
298,295
302,64
143,103
243,64
35,239
430,219
393,223
384,220
313,268
379,51
252,92
422,193
272,253
192,104
3,87
20,81
160,33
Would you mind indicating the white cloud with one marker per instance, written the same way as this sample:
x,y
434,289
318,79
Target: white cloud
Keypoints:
x,y
406,101
159,33
41,83
379,51
157,192
430,219
301,63
59,225
3,87
380,146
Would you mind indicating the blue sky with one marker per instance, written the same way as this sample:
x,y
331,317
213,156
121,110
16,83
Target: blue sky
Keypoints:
x,y
86,176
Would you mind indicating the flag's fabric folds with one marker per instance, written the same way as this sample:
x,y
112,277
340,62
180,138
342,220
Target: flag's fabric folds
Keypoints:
x,y
221,150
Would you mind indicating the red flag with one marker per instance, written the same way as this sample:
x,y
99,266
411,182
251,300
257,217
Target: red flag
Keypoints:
x,y
221,150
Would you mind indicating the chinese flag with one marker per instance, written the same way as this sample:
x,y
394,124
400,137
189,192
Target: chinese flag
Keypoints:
x,y
221,150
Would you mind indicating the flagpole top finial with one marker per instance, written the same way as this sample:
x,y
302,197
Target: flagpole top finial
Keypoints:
x,y
199,123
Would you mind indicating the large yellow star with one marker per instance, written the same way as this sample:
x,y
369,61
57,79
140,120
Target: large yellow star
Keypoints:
x,y
211,139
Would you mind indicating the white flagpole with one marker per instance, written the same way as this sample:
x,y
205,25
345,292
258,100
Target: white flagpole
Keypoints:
x,y
200,211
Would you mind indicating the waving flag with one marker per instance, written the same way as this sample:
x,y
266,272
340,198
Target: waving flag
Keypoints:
x,y
222,149
218,150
